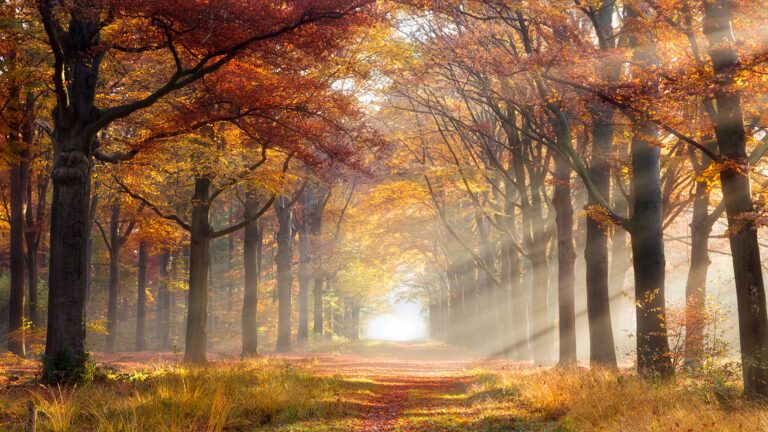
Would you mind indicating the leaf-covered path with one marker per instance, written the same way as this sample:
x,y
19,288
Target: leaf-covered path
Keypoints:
x,y
406,387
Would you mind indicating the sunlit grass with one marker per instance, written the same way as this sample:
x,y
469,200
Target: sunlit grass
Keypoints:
x,y
228,396
277,396
584,400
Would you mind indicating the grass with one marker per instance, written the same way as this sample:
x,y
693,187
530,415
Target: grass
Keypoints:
x,y
275,396
237,396
583,400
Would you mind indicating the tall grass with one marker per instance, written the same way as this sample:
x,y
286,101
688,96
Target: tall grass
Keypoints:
x,y
230,396
592,400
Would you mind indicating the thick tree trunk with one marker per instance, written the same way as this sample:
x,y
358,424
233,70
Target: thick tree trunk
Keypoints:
x,y
284,273
317,327
252,250
602,350
141,298
65,355
19,180
566,258
114,276
737,194
74,141
648,256
199,265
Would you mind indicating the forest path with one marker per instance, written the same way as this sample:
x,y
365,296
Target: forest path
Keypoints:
x,y
405,386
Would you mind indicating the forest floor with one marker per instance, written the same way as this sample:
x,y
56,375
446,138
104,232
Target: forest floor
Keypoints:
x,y
370,387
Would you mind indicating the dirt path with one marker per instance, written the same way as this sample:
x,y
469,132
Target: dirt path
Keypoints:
x,y
404,378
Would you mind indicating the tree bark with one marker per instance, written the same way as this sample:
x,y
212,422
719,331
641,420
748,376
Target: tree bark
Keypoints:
x,y
18,202
252,255
646,227
696,285
141,298
34,232
284,273
602,350
566,255
304,268
114,276
317,327
542,331
195,350
737,194
163,302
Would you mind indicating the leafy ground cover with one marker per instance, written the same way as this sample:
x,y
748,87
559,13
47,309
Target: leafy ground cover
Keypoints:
x,y
373,388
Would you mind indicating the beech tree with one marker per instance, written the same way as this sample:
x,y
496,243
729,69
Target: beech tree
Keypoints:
x,y
192,48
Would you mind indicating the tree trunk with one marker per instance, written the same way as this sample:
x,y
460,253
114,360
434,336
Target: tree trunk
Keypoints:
x,y
696,286
542,334
252,250
487,317
648,256
163,302
304,271
646,229
19,180
737,195
566,257
73,144
317,328
114,276
199,266
355,322
141,298
65,355
602,350
284,273
34,228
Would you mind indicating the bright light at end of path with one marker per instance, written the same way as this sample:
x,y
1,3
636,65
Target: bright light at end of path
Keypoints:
x,y
405,323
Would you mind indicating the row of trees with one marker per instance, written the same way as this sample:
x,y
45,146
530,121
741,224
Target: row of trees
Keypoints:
x,y
158,111
640,112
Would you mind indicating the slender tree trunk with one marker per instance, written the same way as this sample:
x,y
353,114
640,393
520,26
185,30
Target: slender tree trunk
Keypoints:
x,y
487,316
199,265
34,222
141,298
355,322
252,250
163,302
304,272
542,334
317,327
114,276
19,179
566,255
696,286
284,273
520,324
601,344
737,195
